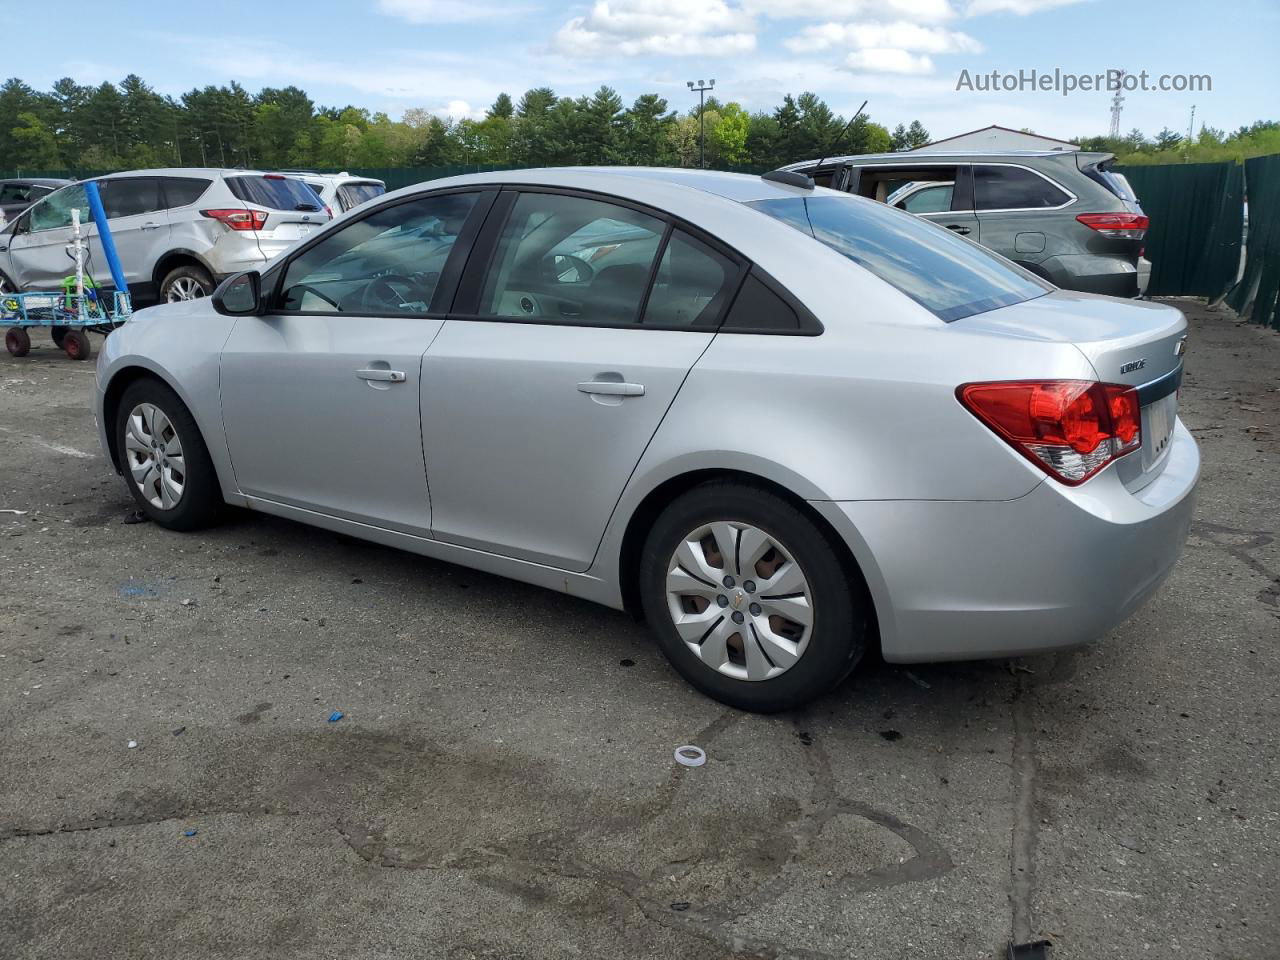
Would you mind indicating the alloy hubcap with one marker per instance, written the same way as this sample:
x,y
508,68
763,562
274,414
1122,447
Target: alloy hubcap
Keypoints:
x,y
154,452
184,288
739,601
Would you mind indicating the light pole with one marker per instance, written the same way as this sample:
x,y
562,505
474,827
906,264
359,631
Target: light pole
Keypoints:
x,y
702,87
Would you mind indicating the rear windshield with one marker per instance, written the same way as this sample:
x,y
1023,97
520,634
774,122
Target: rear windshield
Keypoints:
x,y
354,194
277,193
943,273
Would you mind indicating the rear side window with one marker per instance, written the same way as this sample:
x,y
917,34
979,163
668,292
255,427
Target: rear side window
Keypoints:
x,y
943,273
180,191
757,309
130,196
275,193
1014,188
691,286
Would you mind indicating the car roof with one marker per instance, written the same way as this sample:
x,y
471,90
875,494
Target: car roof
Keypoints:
x,y
927,156
185,172
39,181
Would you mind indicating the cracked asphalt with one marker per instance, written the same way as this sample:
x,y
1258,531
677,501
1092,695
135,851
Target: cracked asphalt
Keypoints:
x,y
501,783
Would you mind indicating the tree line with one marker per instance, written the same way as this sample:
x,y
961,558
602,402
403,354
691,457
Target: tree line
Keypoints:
x,y
130,126
83,128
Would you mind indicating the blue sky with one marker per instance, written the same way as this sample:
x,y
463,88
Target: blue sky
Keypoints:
x,y
905,56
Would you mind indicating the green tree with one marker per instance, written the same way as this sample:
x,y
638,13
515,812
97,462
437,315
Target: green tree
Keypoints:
x,y
643,133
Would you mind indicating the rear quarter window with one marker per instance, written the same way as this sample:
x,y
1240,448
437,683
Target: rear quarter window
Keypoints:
x,y
275,193
945,274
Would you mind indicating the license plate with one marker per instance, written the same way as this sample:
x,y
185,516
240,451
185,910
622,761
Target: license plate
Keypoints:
x,y
1157,428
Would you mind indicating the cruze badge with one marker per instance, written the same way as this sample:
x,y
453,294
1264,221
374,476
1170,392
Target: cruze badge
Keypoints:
x,y
1133,365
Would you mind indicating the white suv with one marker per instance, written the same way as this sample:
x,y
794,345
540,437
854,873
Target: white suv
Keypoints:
x,y
178,232
339,192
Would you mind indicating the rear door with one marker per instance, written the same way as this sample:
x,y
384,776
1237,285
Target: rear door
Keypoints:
x,y
1017,207
320,397
575,328
139,226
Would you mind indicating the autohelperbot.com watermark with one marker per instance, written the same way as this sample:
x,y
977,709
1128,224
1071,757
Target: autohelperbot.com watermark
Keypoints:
x,y
1066,83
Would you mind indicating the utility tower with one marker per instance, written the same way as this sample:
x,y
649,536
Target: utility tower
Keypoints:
x,y
1117,104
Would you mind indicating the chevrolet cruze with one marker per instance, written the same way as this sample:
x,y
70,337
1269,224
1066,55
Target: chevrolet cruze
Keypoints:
x,y
784,424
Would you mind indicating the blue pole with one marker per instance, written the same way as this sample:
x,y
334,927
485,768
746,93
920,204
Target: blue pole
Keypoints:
x,y
104,234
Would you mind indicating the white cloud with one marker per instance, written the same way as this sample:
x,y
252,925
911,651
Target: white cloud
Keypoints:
x,y
445,11
888,60
458,110
630,28
901,35
920,11
1022,8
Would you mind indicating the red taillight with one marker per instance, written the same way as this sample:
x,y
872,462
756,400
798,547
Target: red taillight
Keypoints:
x,y
1070,429
1121,226
238,219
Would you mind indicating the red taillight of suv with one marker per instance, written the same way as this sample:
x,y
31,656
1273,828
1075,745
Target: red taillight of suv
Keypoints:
x,y
238,219
1070,429
1119,226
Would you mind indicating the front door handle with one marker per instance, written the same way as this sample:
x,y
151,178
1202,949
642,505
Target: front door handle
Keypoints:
x,y
386,376
959,228
612,388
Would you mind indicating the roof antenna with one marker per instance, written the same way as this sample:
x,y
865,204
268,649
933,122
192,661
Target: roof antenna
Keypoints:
x,y
836,142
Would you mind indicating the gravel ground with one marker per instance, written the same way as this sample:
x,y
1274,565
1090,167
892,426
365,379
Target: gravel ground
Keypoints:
x,y
501,783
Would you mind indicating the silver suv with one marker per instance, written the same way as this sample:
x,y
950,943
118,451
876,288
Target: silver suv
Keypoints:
x,y
178,232
1063,215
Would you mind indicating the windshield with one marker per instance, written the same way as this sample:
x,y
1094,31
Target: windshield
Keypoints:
x,y
277,193
945,274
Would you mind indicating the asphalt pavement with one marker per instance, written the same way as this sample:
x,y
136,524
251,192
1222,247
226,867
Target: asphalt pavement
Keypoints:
x,y
174,782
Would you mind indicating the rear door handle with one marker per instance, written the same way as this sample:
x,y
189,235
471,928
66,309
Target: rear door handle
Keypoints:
x,y
612,388
958,228
387,376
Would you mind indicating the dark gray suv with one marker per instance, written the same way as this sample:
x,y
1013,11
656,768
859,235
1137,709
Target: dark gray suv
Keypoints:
x,y
1062,215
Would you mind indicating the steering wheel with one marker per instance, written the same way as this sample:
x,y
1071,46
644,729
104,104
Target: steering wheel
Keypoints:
x,y
300,288
380,295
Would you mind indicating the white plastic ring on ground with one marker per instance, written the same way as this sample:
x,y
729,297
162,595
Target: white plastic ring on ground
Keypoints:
x,y
691,756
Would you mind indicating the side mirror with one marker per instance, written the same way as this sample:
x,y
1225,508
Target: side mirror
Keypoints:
x,y
239,295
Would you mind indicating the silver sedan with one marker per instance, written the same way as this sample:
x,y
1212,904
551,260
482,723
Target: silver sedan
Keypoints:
x,y
784,424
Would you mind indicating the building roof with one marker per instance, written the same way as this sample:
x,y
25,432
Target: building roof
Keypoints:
x,y
996,126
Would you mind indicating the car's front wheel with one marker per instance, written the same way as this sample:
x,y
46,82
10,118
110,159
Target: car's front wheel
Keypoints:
x,y
164,458
749,599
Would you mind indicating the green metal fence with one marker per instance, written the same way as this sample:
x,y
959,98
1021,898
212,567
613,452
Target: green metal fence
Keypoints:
x,y
1255,296
1196,219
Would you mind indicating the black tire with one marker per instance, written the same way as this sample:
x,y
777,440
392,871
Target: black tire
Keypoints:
x,y
188,271
201,499
76,345
17,341
57,334
837,637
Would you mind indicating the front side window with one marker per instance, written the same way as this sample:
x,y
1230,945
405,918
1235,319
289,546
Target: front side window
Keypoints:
x,y
54,211
128,197
14,192
943,273
387,263
1014,188
571,260
935,199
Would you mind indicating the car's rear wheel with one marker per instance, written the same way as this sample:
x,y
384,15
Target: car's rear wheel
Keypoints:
x,y
187,282
749,599
164,458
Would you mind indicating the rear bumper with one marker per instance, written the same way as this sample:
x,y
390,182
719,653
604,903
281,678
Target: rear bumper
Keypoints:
x,y
1112,276
1056,568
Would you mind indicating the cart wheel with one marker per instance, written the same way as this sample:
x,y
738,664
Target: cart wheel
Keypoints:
x,y
57,333
76,344
17,342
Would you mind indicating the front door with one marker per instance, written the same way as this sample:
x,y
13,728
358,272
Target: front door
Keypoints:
x,y
537,407
320,398
42,236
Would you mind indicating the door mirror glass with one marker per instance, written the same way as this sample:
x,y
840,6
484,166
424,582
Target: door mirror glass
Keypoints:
x,y
239,296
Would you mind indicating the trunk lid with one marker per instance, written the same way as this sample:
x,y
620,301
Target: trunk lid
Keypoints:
x,y
1132,342
293,210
